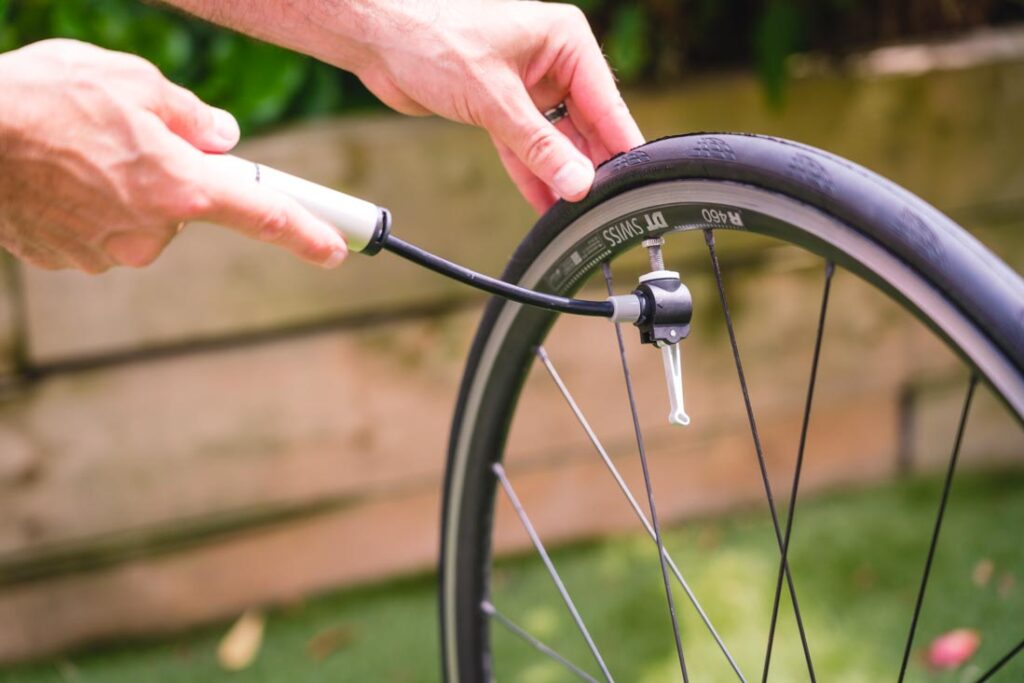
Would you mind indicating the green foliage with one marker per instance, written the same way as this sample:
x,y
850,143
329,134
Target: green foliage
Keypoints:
x,y
646,41
259,83
778,35
255,78
626,43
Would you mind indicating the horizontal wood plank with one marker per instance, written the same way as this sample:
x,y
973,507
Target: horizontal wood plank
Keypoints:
x,y
950,136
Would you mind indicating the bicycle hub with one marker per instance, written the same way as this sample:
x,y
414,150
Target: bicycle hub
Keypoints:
x,y
661,307
666,308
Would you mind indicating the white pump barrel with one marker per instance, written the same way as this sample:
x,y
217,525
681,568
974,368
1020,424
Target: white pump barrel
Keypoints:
x,y
360,222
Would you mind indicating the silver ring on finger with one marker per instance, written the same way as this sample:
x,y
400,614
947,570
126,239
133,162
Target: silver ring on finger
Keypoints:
x,y
557,113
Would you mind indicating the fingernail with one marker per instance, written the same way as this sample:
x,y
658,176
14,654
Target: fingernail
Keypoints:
x,y
225,127
335,259
573,180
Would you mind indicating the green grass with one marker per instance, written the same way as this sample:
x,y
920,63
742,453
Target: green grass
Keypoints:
x,y
856,559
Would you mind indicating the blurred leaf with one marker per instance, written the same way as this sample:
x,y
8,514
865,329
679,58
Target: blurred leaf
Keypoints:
x,y
168,45
328,641
8,34
776,37
982,572
252,80
322,93
161,38
1006,584
69,19
240,645
628,42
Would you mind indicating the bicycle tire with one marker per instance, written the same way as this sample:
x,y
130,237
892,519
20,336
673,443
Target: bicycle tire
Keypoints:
x,y
863,223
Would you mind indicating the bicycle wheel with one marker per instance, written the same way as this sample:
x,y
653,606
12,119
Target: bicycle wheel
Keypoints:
x,y
705,184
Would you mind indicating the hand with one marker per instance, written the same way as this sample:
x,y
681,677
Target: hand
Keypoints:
x,y
103,164
498,66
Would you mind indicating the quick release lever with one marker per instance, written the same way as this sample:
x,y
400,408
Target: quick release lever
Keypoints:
x,y
661,307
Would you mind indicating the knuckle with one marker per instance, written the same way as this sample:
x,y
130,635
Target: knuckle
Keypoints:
x,y
614,110
539,147
151,192
137,257
169,193
93,267
134,249
141,68
144,258
201,116
194,111
572,16
317,251
274,225
189,203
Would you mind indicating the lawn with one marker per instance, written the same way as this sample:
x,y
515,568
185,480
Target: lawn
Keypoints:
x,y
856,559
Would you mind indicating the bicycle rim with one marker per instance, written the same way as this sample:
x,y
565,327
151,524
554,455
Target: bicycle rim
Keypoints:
x,y
560,260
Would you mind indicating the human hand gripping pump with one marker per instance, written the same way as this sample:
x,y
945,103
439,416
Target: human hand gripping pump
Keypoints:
x,y
661,306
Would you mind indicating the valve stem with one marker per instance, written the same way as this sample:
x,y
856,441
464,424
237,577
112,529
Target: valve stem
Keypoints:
x,y
653,246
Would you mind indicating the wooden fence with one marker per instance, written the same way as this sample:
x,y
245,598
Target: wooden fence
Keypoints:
x,y
231,427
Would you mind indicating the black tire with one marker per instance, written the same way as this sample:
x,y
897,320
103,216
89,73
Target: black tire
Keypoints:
x,y
884,233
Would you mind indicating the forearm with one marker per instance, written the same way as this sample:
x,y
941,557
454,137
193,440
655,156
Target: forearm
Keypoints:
x,y
488,63
346,33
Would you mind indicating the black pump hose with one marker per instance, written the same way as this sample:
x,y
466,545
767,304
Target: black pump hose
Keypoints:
x,y
551,302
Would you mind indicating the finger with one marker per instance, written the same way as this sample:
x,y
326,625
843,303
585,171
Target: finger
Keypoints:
x,y
137,248
272,217
548,154
594,101
206,128
547,95
533,189
569,130
593,149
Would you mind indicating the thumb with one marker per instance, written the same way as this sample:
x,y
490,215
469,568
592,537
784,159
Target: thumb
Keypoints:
x,y
206,128
545,151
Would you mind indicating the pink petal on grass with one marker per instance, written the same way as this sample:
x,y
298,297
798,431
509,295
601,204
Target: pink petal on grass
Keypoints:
x,y
952,649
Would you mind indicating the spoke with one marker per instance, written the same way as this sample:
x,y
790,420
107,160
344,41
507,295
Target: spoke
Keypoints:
x,y
829,270
947,485
491,611
1001,663
532,533
553,373
647,483
709,237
